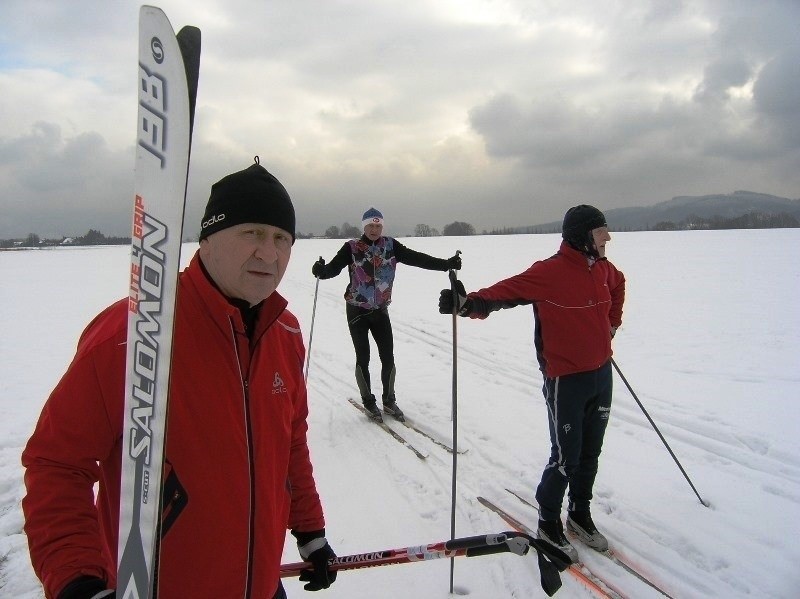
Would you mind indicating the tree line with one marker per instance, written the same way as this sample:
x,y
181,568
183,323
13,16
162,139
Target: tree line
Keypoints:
x,y
92,237
752,220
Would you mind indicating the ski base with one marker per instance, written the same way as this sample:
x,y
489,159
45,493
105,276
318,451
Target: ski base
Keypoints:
x,y
394,434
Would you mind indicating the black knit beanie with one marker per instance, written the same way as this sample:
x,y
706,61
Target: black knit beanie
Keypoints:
x,y
253,195
579,221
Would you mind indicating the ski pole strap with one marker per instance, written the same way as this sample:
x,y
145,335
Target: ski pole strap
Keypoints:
x,y
453,277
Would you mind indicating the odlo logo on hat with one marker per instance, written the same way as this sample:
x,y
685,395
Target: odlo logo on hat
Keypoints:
x,y
217,218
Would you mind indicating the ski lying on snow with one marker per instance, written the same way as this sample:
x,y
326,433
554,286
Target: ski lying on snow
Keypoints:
x,y
430,437
609,553
591,581
394,434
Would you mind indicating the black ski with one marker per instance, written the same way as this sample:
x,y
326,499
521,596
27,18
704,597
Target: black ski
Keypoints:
x,y
394,434
609,553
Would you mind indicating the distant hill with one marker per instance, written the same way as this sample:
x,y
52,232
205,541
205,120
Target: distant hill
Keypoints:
x,y
678,209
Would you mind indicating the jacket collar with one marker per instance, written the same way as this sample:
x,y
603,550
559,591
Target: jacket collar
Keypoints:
x,y
222,310
575,256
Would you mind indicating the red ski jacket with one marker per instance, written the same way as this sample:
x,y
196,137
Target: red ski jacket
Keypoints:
x,y
574,304
237,470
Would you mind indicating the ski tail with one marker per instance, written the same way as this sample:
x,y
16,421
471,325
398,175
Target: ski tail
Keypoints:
x,y
612,554
393,433
591,581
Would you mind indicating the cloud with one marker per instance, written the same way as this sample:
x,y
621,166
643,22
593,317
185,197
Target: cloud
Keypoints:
x,y
495,113
61,187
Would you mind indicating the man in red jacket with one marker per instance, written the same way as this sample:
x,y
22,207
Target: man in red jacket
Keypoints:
x,y
577,298
237,468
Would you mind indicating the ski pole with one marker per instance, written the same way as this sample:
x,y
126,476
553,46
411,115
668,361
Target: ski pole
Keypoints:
x,y
311,332
551,559
454,415
663,440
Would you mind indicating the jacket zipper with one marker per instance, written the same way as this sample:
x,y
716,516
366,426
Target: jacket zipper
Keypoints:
x,y
250,466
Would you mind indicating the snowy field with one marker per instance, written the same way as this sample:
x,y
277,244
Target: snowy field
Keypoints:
x,y
710,343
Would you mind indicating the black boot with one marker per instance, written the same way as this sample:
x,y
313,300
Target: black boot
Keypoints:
x,y
371,405
390,407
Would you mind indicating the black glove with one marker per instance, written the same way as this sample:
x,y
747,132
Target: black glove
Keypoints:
x,y
454,263
314,548
318,267
447,302
86,587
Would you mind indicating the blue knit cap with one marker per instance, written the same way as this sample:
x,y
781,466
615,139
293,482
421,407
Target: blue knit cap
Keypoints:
x,y
371,217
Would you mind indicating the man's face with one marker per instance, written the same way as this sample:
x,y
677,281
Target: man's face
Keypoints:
x,y
247,261
600,236
373,231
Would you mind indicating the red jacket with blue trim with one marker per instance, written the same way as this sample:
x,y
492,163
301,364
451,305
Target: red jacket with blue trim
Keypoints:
x,y
237,469
575,305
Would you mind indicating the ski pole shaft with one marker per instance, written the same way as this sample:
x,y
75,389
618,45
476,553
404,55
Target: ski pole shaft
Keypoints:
x,y
476,546
454,415
311,331
663,440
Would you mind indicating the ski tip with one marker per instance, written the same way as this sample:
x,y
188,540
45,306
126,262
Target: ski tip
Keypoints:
x,y
190,33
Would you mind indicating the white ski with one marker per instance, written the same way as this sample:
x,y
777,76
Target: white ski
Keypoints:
x,y
167,84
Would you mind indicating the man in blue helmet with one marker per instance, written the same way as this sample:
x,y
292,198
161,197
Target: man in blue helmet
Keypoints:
x,y
577,298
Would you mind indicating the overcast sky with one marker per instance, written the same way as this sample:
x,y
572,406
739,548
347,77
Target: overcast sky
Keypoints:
x,y
494,112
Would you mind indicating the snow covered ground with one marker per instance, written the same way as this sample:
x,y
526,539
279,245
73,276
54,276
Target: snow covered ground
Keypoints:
x,y
710,343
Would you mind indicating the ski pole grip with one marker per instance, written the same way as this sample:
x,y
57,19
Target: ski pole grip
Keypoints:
x,y
452,274
476,541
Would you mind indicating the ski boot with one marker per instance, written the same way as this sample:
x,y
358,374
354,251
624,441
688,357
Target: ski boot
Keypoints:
x,y
390,407
581,524
371,405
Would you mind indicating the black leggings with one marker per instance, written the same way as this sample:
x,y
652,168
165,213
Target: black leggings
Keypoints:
x,y
361,323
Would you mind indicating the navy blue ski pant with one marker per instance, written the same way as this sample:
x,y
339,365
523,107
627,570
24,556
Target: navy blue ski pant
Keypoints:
x,y
578,407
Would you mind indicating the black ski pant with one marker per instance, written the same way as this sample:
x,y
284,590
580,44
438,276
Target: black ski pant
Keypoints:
x,y
578,407
362,322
